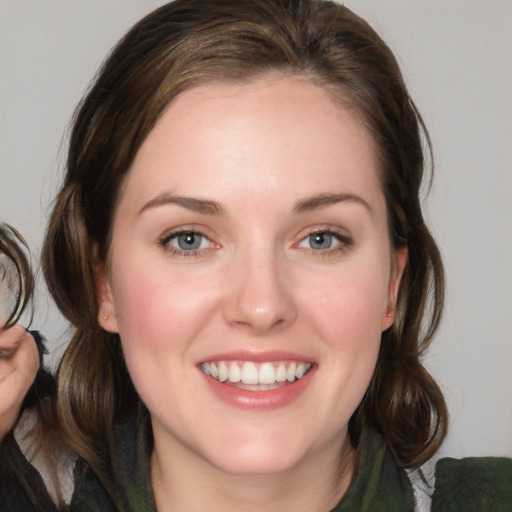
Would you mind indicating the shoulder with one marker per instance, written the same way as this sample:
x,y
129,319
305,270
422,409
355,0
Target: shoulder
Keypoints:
x,y
21,484
473,484
28,483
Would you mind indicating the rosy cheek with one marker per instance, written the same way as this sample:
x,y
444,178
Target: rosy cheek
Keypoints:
x,y
348,306
137,302
155,304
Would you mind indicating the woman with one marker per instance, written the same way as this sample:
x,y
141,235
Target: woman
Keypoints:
x,y
240,246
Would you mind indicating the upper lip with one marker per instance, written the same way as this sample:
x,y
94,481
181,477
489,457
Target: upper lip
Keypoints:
x,y
257,356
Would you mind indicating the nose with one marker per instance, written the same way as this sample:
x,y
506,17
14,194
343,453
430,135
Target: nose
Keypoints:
x,y
260,296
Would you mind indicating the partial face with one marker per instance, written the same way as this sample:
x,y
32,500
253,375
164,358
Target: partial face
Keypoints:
x,y
251,274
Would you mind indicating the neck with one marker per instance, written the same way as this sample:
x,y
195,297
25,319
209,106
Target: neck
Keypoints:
x,y
192,484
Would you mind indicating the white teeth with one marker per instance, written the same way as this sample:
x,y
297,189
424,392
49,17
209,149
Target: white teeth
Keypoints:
x,y
235,375
301,370
290,373
223,371
249,373
281,373
255,374
267,374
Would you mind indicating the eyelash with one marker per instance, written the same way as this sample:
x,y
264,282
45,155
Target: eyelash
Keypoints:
x,y
345,242
165,240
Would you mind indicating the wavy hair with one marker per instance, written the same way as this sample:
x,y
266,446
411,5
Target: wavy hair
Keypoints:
x,y
190,42
16,277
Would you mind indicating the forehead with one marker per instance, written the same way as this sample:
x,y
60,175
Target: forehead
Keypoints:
x,y
271,134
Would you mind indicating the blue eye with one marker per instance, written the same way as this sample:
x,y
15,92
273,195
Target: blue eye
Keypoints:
x,y
320,241
325,241
189,241
186,241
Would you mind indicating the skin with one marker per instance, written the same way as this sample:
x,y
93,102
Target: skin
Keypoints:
x,y
256,284
19,361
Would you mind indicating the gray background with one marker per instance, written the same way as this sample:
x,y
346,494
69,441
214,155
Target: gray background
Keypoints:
x,y
456,59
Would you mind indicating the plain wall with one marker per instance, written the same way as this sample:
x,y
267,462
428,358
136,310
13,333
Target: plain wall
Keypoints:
x,y
456,59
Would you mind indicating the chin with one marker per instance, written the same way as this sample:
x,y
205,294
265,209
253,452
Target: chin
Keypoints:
x,y
257,453
253,462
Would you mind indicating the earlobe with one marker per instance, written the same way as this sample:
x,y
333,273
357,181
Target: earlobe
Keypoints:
x,y
106,308
399,263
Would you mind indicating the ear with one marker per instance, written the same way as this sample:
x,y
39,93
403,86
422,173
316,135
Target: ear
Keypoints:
x,y
398,264
106,307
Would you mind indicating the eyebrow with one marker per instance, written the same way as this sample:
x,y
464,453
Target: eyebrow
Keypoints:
x,y
190,203
322,200
208,207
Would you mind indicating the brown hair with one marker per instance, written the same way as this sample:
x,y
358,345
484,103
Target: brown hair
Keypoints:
x,y
16,278
188,42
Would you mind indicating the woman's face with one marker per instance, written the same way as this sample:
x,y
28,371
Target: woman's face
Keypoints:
x,y
251,274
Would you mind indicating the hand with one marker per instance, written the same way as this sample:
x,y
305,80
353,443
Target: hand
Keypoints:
x,y
19,362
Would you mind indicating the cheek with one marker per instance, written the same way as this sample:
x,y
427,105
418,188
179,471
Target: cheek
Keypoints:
x,y
152,326
144,312
349,306
343,312
147,300
159,313
137,304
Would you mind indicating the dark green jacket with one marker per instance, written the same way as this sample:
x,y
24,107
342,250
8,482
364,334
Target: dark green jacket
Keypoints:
x,y
467,485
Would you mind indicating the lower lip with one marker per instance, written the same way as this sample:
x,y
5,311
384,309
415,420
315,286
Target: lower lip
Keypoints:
x,y
271,399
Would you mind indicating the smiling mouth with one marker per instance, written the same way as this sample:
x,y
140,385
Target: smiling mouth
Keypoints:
x,y
256,376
